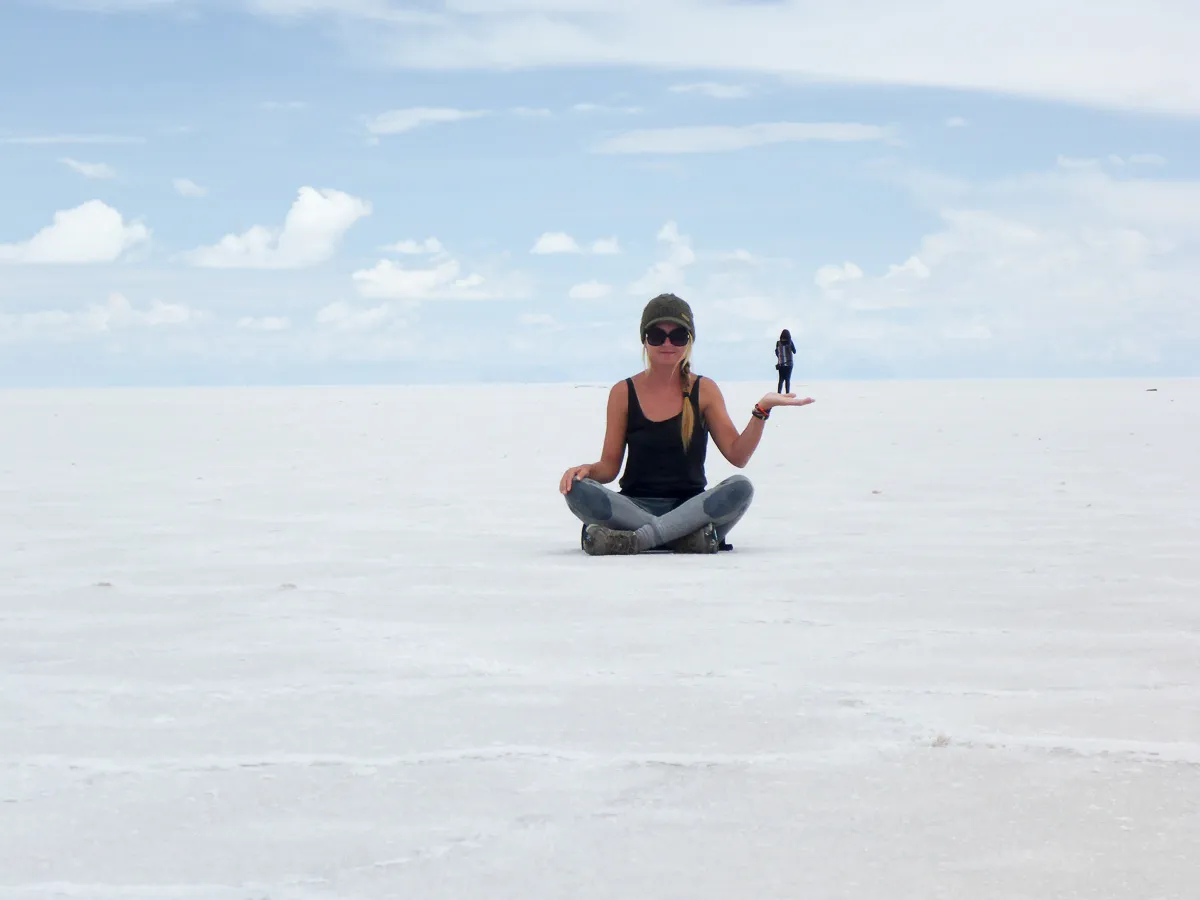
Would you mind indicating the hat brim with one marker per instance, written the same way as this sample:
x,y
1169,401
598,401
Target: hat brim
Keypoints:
x,y
674,320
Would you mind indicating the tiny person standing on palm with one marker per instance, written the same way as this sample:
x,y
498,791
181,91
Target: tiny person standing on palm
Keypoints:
x,y
785,353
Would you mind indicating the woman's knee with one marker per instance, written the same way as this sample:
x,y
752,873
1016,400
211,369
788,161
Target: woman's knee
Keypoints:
x,y
589,501
744,485
731,497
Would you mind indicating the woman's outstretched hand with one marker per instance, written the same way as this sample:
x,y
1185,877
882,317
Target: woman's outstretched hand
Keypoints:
x,y
571,475
771,400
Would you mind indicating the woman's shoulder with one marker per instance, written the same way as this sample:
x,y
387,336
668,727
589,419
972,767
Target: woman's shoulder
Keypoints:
x,y
708,390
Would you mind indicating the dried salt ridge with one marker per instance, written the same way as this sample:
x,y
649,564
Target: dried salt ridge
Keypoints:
x,y
272,643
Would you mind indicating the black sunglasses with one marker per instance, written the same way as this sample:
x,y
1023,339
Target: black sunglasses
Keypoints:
x,y
656,336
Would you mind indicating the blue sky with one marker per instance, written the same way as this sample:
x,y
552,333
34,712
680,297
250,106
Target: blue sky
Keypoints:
x,y
287,191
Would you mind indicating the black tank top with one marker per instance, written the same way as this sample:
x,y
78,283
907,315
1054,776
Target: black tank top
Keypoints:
x,y
658,465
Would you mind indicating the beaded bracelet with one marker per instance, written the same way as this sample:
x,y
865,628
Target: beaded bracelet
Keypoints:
x,y
759,413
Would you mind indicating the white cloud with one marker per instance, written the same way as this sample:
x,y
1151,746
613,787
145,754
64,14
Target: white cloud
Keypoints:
x,y
89,170
589,290
713,89
116,314
531,112
1114,160
93,232
51,139
911,266
381,10
742,256
264,323
561,242
667,275
1078,162
1073,266
605,108
957,122
341,316
725,138
399,121
389,280
555,242
310,235
926,43
185,187
414,248
829,275
443,279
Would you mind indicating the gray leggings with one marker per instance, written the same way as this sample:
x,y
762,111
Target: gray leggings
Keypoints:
x,y
722,505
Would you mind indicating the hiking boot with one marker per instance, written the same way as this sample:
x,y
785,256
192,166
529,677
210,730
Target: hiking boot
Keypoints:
x,y
703,540
597,540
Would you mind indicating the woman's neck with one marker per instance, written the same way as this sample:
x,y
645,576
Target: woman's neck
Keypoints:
x,y
662,376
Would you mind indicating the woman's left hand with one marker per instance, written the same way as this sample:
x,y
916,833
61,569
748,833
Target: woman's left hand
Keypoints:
x,y
772,400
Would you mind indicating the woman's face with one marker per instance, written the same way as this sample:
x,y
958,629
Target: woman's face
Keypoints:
x,y
666,353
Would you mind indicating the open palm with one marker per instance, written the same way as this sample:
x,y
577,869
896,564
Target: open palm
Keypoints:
x,y
774,399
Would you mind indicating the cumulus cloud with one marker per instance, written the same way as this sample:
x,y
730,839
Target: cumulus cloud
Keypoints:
x,y
606,108
667,274
727,138
742,256
264,323
589,290
51,139
92,232
393,281
1111,161
555,242
116,314
400,121
88,169
442,277
311,233
1073,266
713,89
829,275
342,316
414,248
185,187
560,242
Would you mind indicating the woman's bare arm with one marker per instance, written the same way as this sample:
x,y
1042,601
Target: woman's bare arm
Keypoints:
x,y
735,446
612,453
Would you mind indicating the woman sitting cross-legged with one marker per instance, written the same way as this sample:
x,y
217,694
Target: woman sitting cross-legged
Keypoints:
x,y
664,415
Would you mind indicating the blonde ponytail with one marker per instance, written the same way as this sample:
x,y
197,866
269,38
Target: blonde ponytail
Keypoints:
x,y
688,420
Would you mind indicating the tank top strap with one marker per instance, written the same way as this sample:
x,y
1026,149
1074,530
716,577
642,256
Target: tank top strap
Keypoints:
x,y
634,413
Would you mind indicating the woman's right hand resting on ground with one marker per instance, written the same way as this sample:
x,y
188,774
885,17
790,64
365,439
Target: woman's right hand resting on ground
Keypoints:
x,y
571,476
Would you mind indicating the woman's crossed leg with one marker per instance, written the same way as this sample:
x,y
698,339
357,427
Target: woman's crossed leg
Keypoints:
x,y
621,525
